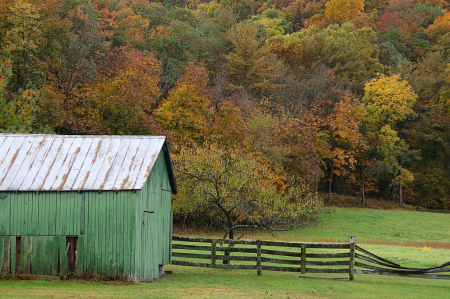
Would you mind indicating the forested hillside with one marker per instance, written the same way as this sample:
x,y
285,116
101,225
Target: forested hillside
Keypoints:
x,y
264,101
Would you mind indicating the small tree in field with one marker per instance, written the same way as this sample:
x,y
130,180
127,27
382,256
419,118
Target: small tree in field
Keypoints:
x,y
238,191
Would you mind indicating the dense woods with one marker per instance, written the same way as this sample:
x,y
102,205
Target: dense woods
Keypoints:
x,y
264,102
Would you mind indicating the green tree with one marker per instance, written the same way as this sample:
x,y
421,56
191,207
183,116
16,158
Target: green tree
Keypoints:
x,y
348,51
273,22
252,65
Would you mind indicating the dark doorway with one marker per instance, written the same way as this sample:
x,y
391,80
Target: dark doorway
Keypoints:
x,y
72,252
18,253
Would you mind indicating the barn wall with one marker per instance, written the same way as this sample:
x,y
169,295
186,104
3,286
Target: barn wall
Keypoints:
x,y
109,238
153,223
102,222
124,233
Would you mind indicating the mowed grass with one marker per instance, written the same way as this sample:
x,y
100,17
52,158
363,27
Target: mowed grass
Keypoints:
x,y
399,236
408,228
187,282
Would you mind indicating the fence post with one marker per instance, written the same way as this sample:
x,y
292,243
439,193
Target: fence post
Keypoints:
x,y
351,268
303,260
213,254
258,257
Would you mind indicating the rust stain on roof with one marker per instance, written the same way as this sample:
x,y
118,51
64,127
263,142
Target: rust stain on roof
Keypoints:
x,y
64,178
41,143
14,157
106,178
49,168
124,182
97,149
131,164
85,178
11,164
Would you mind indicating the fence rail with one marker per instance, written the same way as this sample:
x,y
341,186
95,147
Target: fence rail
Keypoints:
x,y
291,257
275,256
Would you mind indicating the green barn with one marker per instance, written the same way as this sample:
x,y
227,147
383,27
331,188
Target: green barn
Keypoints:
x,y
93,206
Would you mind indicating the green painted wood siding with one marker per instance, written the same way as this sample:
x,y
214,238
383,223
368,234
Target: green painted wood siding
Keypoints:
x,y
153,223
123,233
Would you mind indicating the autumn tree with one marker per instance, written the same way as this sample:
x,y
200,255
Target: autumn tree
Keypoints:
x,y
186,112
234,190
342,11
126,102
23,39
388,102
439,28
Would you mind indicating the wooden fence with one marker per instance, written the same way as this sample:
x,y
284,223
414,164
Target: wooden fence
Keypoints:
x,y
304,258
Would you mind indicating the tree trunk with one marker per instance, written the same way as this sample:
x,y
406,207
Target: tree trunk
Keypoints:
x,y
330,180
363,199
230,235
401,194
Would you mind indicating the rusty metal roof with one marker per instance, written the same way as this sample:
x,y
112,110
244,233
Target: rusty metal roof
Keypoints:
x,y
65,163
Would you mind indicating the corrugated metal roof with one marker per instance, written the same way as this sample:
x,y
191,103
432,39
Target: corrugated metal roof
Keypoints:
x,y
60,162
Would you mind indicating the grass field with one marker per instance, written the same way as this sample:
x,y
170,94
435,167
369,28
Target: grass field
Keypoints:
x,y
399,236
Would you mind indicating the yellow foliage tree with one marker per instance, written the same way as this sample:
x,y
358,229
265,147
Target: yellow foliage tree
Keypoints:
x,y
342,11
186,111
23,39
388,100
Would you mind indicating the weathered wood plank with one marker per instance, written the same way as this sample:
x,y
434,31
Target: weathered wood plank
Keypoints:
x,y
191,255
328,255
308,245
430,276
351,268
258,257
279,252
6,258
375,256
208,240
406,272
1,254
325,270
327,263
303,261
208,248
368,259
62,256
236,258
13,254
213,254
280,261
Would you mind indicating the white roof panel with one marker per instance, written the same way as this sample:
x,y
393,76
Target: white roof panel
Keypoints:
x,y
57,162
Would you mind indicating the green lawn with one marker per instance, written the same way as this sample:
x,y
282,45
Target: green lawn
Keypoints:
x,y
373,228
369,226
189,282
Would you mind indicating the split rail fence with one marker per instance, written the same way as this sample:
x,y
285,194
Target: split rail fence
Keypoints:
x,y
347,258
